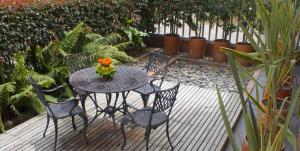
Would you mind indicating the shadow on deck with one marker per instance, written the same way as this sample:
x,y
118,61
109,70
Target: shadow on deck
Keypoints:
x,y
195,124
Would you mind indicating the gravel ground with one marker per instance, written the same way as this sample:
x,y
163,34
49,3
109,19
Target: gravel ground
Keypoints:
x,y
204,75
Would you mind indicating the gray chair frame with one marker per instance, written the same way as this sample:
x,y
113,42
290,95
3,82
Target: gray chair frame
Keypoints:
x,y
158,64
76,62
155,116
70,106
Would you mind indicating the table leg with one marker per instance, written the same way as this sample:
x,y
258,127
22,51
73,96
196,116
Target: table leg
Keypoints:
x,y
124,96
82,101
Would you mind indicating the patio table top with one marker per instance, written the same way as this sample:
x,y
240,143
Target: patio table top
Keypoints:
x,y
125,79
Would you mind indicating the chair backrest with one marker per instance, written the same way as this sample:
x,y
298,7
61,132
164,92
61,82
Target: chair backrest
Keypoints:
x,y
40,94
164,100
157,63
79,61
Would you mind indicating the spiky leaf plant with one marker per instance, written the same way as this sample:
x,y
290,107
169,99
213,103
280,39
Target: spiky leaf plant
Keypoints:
x,y
276,55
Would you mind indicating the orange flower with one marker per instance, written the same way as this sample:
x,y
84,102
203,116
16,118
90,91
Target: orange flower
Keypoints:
x,y
105,61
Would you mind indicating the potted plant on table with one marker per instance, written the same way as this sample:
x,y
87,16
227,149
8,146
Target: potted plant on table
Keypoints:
x,y
170,14
276,57
105,69
223,19
197,44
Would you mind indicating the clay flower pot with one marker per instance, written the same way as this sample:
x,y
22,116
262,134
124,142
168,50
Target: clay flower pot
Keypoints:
x,y
279,102
243,47
219,56
171,44
197,47
284,91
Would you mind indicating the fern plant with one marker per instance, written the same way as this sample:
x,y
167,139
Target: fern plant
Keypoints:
x,y
17,93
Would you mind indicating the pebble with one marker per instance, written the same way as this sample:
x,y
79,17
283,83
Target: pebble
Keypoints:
x,y
204,75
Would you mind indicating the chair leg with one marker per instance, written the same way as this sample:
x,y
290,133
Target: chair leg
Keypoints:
x,y
147,136
145,98
168,135
56,131
73,122
123,123
48,118
114,121
85,120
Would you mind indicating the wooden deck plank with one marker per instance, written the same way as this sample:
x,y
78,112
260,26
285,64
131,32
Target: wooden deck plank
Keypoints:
x,y
195,123
202,122
219,122
207,122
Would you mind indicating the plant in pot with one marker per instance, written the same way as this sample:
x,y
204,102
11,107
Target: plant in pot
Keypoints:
x,y
245,12
197,44
259,136
170,13
276,56
224,20
274,48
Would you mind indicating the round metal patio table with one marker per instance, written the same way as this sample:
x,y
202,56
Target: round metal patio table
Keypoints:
x,y
125,79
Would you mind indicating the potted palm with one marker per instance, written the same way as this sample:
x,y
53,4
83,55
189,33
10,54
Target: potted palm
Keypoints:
x,y
274,49
197,44
223,19
276,57
170,14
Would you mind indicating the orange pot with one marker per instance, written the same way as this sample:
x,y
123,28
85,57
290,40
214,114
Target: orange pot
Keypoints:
x,y
197,47
245,145
279,102
171,44
219,56
243,47
284,91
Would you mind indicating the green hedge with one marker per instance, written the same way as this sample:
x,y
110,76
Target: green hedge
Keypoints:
x,y
30,26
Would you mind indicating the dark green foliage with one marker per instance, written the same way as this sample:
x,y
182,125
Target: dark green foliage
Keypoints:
x,y
31,26
17,93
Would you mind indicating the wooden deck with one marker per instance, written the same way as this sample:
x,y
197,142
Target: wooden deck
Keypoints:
x,y
196,124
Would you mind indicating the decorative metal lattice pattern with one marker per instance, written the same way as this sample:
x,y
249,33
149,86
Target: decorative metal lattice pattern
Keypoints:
x,y
157,63
165,99
125,79
79,61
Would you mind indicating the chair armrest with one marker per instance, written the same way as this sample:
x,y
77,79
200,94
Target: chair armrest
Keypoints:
x,y
54,89
68,101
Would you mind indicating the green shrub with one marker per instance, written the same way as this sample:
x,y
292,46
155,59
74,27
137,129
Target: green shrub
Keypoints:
x,y
28,27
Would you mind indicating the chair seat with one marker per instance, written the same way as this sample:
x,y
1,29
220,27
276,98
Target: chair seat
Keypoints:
x,y
147,89
62,110
141,117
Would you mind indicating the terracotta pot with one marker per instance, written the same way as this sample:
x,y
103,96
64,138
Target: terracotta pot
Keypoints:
x,y
279,102
171,44
284,91
245,145
243,47
197,47
219,56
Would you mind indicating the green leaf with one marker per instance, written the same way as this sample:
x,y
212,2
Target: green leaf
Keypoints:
x,y
226,121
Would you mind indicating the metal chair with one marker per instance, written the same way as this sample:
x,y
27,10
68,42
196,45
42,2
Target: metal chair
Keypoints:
x,y
155,116
77,62
59,110
157,64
